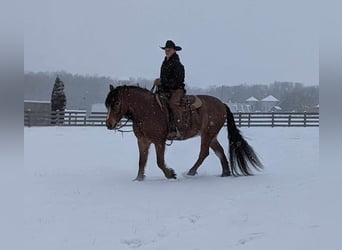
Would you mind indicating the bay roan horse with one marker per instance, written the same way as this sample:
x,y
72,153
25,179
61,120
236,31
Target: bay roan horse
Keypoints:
x,y
150,125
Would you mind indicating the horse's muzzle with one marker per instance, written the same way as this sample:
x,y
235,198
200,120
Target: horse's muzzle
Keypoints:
x,y
109,125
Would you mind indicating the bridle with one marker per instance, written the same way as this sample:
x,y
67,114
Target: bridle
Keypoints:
x,y
118,128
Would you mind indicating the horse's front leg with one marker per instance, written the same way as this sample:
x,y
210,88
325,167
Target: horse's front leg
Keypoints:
x,y
160,151
144,146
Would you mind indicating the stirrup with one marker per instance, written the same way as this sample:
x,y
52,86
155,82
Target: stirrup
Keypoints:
x,y
174,134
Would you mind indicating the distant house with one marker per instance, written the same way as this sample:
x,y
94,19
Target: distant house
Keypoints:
x,y
254,102
37,106
32,107
314,109
268,103
276,109
239,107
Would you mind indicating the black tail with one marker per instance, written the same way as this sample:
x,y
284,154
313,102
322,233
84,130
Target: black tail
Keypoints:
x,y
241,154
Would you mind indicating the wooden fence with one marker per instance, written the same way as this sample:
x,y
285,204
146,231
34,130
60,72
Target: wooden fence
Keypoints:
x,y
80,118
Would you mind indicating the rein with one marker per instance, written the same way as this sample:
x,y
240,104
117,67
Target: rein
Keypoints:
x,y
123,125
119,128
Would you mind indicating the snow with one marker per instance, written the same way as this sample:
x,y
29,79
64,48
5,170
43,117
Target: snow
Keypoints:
x,y
252,99
270,98
76,110
80,194
277,108
35,101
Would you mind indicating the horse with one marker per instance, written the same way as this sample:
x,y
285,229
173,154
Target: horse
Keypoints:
x,y
150,126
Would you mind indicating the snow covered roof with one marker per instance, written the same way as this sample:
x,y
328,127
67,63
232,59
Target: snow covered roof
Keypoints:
x,y
35,101
276,108
252,99
270,98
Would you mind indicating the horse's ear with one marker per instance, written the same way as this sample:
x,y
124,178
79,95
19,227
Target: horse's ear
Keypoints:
x,y
111,87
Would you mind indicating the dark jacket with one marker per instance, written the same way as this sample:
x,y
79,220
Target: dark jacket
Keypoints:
x,y
172,74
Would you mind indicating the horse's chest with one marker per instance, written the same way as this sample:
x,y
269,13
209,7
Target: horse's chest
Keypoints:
x,y
138,128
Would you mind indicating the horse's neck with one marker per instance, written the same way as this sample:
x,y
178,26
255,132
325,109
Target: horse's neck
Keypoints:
x,y
139,103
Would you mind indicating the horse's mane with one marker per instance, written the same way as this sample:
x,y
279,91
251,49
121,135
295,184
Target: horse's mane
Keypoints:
x,y
114,94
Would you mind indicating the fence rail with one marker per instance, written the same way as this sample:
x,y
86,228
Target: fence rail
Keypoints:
x,y
80,118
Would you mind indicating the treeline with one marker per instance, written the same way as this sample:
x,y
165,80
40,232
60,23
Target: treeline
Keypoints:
x,y
83,91
291,96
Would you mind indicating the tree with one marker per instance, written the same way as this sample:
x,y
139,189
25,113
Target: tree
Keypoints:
x,y
58,99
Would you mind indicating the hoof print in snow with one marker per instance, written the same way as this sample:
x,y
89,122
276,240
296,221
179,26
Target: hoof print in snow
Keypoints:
x,y
132,243
250,237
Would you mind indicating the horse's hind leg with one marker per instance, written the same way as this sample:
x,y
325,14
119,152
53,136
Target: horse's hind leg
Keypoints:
x,y
216,146
144,146
160,151
205,141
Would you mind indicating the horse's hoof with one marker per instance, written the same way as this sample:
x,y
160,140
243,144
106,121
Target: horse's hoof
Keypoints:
x,y
172,174
225,174
192,173
140,178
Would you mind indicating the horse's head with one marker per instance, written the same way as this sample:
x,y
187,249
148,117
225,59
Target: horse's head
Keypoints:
x,y
114,106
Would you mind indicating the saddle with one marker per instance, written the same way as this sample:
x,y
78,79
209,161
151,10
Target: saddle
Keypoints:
x,y
191,102
188,105
188,102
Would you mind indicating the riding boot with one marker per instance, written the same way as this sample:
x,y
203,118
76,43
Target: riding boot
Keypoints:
x,y
172,126
176,110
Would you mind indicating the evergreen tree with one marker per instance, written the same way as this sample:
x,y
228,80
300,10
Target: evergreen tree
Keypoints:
x,y
58,99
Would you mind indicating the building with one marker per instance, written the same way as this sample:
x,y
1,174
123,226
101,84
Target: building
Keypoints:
x,y
254,103
268,103
276,109
37,113
314,109
239,107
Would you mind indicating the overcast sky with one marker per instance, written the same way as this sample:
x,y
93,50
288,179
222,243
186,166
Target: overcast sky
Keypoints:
x,y
224,42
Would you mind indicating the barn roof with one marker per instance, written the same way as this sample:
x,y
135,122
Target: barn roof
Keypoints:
x,y
270,98
252,99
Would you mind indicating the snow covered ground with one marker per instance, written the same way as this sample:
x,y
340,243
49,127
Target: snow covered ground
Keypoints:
x,y
80,194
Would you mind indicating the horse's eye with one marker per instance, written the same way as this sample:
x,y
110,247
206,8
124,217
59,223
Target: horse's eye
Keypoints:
x,y
116,103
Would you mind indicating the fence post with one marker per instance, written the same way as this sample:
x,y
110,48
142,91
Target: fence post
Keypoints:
x,y
76,118
272,119
304,118
249,119
239,119
57,117
53,117
28,117
289,122
60,117
69,118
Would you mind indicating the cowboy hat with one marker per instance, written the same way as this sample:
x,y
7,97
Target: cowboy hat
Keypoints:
x,y
170,44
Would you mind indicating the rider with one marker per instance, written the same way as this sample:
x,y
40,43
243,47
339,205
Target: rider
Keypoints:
x,y
171,82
